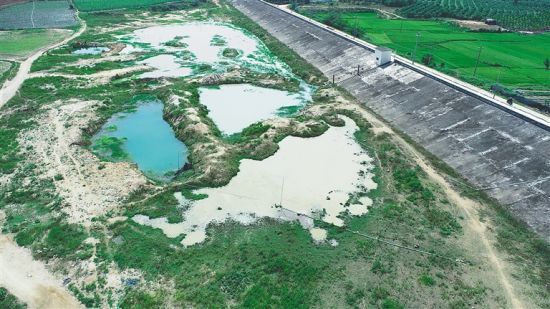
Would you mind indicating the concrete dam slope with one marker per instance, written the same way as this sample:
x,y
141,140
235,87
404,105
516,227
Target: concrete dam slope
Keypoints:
x,y
502,154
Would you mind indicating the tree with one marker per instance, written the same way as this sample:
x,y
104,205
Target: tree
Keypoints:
x,y
547,63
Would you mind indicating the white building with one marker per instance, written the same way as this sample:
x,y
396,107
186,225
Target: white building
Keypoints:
x,y
383,55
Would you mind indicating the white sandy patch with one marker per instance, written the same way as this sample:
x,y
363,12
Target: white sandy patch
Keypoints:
x,y
29,280
318,234
357,209
309,176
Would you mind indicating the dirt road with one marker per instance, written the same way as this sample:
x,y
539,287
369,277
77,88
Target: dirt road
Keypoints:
x,y
29,280
468,206
10,87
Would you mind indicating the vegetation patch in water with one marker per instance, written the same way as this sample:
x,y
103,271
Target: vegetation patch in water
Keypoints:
x,y
176,42
286,111
230,53
218,40
110,147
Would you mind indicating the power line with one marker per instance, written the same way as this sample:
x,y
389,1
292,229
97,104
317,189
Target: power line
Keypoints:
x,y
384,241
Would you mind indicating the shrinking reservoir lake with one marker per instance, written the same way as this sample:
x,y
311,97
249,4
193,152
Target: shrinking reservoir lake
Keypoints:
x,y
143,137
235,107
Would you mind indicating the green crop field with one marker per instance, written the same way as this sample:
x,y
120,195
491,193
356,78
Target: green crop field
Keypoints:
x,y
37,14
98,5
512,14
21,43
510,59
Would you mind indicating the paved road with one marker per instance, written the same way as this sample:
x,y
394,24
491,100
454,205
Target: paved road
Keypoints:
x,y
493,149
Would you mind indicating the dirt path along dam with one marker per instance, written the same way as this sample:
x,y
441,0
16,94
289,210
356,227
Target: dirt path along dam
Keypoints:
x,y
507,157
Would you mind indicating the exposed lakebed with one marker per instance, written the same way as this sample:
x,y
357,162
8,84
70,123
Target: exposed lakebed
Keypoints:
x,y
144,137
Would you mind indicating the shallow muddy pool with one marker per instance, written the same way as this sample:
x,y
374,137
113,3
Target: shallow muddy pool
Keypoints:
x,y
235,107
143,137
195,46
311,176
90,51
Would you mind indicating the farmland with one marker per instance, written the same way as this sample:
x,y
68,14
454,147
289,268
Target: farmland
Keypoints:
x,y
98,5
37,14
510,59
21,43
513,15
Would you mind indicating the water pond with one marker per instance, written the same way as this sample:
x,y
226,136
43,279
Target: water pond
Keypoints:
x,y
90,51
194,46
235,107
313,176
143,137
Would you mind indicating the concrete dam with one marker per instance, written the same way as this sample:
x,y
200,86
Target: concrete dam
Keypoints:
x,y
500,153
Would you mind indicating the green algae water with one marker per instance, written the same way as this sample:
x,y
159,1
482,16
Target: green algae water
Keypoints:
x,y
143,137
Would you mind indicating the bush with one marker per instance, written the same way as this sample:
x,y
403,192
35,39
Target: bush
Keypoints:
x,y
426,280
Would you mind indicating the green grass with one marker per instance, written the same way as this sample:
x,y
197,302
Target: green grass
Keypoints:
x,y
9,301
24,42
98,5
37,14
8,69
512,59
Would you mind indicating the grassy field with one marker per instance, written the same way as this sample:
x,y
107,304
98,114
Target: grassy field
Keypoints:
x,y
37,14
511,59
98,5
21,43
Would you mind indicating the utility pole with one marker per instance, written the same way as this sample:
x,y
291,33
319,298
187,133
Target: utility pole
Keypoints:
x,y
415,46
282,188
477,61
498,79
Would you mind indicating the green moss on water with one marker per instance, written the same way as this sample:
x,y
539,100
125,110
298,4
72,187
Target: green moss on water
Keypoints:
x,y
110,147
287,111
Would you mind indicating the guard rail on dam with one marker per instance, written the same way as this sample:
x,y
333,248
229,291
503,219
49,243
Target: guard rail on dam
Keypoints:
x,y
495,149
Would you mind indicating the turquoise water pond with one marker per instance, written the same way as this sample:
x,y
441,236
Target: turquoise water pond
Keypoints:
x,y
143,137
